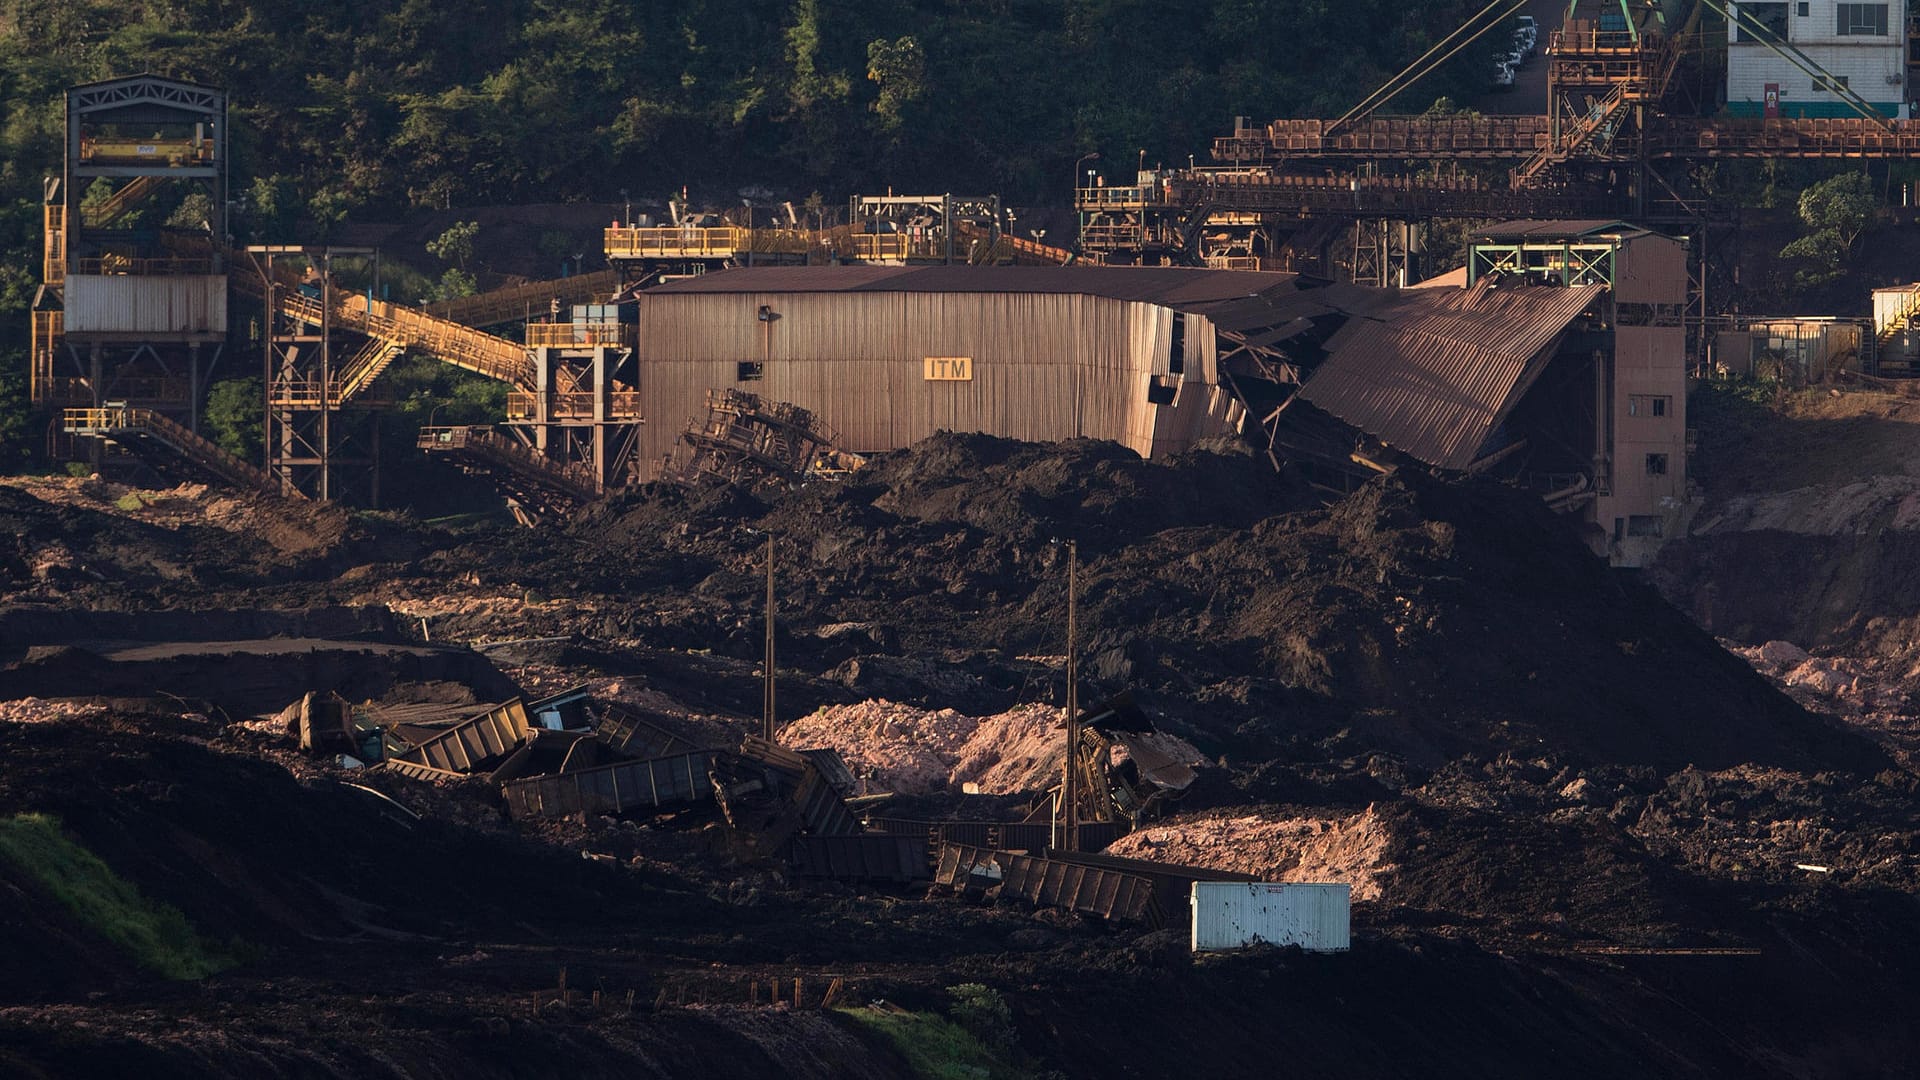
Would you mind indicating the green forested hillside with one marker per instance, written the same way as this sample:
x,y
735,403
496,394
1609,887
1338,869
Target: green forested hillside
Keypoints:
x,y
370,108
388,103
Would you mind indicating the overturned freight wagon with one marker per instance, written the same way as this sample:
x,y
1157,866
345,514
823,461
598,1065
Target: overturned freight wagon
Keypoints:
x,y
614,789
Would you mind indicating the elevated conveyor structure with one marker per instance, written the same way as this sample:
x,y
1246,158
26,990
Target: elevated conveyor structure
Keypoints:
x,y
526,302
1619,138
167,446
411,329
537,485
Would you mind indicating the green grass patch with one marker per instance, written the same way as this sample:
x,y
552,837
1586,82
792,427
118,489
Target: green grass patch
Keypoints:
x,y
936,1048
154,934
130,502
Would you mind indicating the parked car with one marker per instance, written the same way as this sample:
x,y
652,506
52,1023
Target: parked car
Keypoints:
x,y
1502,75
1526,40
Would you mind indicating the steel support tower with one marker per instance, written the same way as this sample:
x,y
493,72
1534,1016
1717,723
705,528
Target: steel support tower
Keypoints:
x,y
133,305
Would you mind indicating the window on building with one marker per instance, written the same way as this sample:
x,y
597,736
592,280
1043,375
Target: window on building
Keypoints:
x,y
1761,22
1860,20
1804,9
1646,525
1649,404
749,371
1656,464
1824,85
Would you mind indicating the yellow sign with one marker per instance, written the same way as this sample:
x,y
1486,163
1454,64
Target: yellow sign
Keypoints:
x,y
949,369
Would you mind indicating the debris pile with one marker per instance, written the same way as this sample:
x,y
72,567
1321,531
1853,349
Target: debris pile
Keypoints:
x,y
754,444
1353,849
1414,619
914,751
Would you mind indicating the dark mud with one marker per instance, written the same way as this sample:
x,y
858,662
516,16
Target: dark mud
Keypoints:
x,y
1588,803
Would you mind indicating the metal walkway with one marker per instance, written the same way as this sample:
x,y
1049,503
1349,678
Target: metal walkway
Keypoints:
x,y
540,484
532,300
166,445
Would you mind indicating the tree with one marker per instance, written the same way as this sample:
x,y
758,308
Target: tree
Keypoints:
x,y
899,68
1835,212
15,411
233,417
455,284
456,244
1844,204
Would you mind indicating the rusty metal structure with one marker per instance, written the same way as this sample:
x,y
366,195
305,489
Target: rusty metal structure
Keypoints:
x,y
1118,889
466,746
1616,141
526,301
861,857
750,443
165,445
537,487
133,315
132,307
886,230
614,789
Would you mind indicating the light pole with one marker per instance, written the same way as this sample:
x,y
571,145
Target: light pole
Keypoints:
x,y
1084,158
626,217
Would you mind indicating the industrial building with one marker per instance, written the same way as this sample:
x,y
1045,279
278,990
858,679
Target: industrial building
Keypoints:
x,y
1559,364
888,356
1860,47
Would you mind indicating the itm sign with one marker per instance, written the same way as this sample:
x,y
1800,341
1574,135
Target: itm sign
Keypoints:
x,y
948,369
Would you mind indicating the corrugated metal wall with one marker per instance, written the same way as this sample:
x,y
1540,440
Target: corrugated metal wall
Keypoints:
x,y
190,305
1045,365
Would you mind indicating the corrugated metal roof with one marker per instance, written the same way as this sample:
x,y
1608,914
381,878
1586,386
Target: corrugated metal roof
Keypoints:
x,y
1433,373
1177,287
1295,302
1563,229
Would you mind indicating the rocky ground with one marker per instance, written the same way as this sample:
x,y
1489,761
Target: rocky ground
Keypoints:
x,y
1578,829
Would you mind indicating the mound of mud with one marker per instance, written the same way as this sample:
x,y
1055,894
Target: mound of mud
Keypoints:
x,y
258,862
1414,618
107,543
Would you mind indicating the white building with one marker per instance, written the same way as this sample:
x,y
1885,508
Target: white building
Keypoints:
x,y
1862,45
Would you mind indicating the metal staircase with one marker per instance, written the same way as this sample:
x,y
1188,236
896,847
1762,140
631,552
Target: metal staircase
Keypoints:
x,y
167,446
1903,320
104,213
408,329
1603,113
53,268
363,367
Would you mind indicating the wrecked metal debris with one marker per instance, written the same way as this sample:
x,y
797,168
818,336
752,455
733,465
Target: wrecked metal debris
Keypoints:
x,y
861,857
471,744
1044,882
614,789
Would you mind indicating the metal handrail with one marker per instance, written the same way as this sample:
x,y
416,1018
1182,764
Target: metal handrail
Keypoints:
x,y
580,335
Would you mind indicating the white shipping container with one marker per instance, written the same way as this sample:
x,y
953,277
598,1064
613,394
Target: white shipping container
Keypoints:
x,y
1234,914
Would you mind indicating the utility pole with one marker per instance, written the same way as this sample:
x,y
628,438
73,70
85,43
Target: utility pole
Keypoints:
x,y
1070,782
766,703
